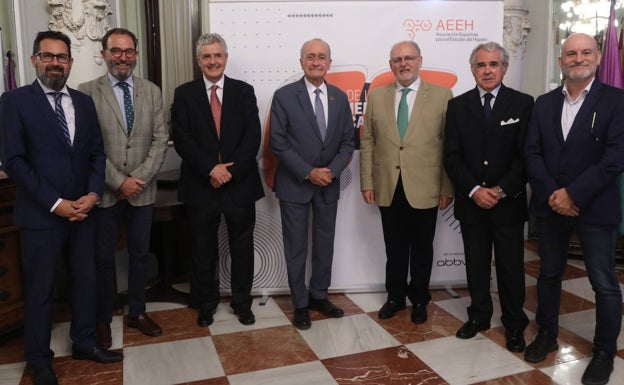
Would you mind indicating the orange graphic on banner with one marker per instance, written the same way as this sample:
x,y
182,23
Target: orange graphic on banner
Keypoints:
x,y
353,83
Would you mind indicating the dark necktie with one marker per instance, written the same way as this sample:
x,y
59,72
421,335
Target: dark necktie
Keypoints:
x,y
403,114
487,105
215,107
127,106
60,115
320,113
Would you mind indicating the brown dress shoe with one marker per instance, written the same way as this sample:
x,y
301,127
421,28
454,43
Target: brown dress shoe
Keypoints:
x,y
103,335
145,325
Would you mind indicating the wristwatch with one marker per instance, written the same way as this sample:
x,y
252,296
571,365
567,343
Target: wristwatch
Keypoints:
x,y
500,191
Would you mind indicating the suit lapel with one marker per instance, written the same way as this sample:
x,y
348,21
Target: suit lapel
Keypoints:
x,y
475,107
391,121
201,96
306,105
43,104
108,94
583,119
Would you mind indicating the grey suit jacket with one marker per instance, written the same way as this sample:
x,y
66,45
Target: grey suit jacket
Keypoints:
x,y
418,158
141,155
296,141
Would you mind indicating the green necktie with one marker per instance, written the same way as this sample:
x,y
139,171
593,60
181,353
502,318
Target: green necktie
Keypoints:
x,y
403,115
127,106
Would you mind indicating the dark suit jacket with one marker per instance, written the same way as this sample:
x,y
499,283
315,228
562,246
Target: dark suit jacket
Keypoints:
x,y
38,159
480,152
587,163
296,141
195,139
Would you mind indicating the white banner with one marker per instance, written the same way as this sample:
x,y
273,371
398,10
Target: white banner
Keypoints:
x,y
264,40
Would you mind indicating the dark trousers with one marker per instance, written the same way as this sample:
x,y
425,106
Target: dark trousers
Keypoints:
x,y
43,250
508,241
204,226
598,243
137,223
295,235
408,234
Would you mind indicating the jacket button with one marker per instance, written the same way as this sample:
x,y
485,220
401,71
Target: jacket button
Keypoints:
x,y
398,167
483,184
485,162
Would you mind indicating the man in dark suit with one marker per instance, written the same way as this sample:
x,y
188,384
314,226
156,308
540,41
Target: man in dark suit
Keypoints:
x,y
483,156
574,154
216,131
52,149
311,134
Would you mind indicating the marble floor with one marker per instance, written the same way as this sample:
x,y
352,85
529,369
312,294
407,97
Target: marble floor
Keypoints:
x,y
356,349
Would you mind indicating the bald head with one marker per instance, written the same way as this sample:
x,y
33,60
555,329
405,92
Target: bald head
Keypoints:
x,y
579,59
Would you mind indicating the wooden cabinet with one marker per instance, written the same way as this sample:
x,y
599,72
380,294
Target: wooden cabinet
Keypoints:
x,y
11,293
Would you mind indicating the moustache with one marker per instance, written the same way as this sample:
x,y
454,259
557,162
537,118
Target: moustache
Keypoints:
x,y
54,68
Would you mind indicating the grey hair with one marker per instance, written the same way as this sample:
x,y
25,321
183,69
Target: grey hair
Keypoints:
x,y
490,46
207,39
315,40
413,43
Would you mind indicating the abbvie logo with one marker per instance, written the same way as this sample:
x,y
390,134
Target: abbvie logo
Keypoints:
x,y
450,262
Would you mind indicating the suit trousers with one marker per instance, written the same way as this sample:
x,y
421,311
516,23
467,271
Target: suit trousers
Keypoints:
x,y
295,218
598,243
508,241
43,250
137,222
408,235
204,223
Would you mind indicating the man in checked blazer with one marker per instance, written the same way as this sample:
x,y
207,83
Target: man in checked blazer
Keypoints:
x,y
404,176
135,143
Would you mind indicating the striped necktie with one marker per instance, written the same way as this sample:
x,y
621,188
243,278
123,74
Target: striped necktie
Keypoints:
x,y
60,115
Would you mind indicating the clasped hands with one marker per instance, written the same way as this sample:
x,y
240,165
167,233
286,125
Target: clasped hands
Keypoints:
x,y
321,176
220,175
77,210
562,203
130,188
486,197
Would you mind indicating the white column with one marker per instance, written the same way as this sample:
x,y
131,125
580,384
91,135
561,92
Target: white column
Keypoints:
x,y
516,28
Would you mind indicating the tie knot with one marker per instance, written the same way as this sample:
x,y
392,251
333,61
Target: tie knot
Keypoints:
x,y
488,97
123,85
405,91
57,95
317,91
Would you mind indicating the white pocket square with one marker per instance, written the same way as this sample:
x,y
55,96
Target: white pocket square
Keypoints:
x,y
510,121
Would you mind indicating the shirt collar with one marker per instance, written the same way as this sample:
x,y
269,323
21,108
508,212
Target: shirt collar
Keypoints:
x,y
114,81
414,86
209,84
564,90
494,92
311,87
47,90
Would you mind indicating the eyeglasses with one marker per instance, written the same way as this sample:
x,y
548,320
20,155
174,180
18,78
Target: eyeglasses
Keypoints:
x,y
407,59
312,58
48,57
116,52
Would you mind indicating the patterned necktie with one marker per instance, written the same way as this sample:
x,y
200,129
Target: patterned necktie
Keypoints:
x,y
487,105
127,106
60,115
403,115
215,107
319,112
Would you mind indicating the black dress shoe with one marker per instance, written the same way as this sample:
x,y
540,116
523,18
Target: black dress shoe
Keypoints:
x,y
96,354
205,319
515,340
543,344
43,376
471,328
419,313
390,308
245,316
326,308
599,369
301,319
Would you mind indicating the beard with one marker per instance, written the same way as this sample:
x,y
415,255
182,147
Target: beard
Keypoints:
x,y
54,82
579,73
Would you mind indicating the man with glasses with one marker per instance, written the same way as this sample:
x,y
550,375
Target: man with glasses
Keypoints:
x,y
52,149
312,137
130,113
401,171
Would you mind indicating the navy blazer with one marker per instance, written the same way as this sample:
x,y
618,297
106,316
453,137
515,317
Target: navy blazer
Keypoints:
x,y
488,152
38,159
296,142
196,141
588,163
